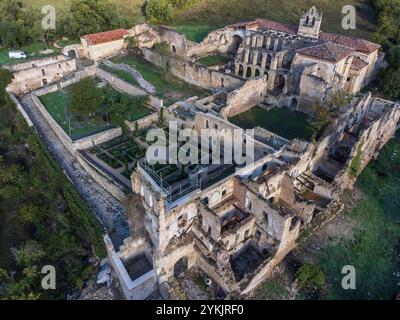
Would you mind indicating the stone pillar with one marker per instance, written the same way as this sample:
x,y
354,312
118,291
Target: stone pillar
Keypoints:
x,y
246,56
254,41
274,63
264,61
255,57
276,44
237,64
268,43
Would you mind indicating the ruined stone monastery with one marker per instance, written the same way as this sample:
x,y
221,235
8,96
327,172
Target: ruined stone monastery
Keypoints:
x,y
233,222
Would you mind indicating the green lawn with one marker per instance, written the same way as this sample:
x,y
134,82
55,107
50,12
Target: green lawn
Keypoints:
x,y
57,103
213,60
32,51
168,87
374,251
282,121
126,76
195,33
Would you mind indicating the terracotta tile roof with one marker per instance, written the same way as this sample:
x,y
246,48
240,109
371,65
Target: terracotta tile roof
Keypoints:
x,y
328,51
239,25
266,24
277,26
358,64
103,37
357,44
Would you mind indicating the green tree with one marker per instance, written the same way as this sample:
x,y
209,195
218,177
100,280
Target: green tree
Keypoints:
x,y
159,11
16,23
86,98
91,16
28,254
310,275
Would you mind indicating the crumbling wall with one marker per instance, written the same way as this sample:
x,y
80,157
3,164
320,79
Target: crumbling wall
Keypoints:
x,y
244,98
176,40
37,76
191,72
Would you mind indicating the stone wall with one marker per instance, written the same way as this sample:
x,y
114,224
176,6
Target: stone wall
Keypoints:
x,y
244,98
101,178
120,84
176,40
70,144
29,79
191,72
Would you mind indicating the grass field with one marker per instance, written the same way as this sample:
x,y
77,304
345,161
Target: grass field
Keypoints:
x,y
57,103
32,51
126,76
282,121
168,87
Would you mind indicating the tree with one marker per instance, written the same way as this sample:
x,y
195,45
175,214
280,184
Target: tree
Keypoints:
x,y
159,11
86,98
28,254
91,16
310,275
16,23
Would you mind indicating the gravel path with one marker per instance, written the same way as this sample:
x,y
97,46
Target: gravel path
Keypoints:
x,y
147,86
107,209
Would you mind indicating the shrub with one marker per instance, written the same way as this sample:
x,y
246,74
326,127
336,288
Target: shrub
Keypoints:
x,y
310,275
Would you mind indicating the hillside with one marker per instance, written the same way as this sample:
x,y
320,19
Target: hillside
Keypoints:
x,y
205,15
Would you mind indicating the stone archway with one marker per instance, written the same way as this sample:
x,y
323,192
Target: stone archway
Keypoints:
x,y
257,73
240,73
248,72
279,84
181,266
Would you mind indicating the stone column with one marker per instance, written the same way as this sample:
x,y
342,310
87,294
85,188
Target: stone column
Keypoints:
x,y
255,57
274,63
264,61
246,56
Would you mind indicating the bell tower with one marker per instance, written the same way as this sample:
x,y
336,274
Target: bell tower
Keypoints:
x,y
310,23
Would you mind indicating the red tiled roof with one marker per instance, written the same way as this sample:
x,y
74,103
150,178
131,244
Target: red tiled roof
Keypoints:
x,y
357,44
328,51
103,37
266,24
277,26
358,64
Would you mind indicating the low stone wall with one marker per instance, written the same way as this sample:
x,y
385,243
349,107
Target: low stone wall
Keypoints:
x,y
101,178
126,87
120,84
191,72
65,139
140,288
70,144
